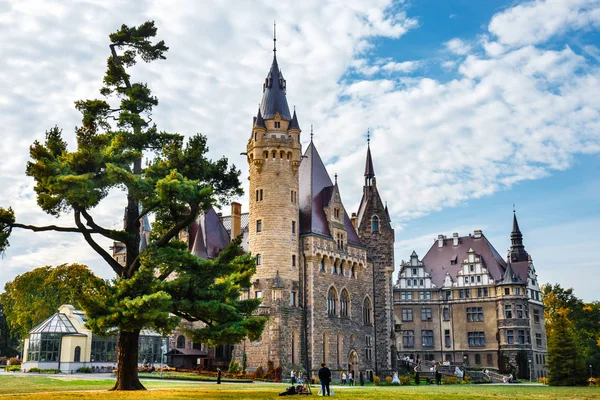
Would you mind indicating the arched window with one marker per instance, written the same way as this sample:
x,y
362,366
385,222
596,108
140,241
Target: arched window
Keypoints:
x,y
289,155
274,154
353,272
375,224
322,264
335,270
181,342
281,154
77,355
342,267
332,301
367,312
295,346
344,303
325,347
265,154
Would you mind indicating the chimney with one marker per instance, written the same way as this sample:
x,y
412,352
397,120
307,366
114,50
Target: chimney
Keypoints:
x,y
236,219
441,240
353,220
455,239
477,234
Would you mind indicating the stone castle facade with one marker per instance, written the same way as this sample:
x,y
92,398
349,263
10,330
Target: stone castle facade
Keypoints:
x,y
325,275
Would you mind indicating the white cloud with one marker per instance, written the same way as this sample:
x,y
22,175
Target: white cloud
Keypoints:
x,y
458,46
514,112
537,21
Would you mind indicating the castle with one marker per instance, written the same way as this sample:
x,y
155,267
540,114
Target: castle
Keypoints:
x,y
325,278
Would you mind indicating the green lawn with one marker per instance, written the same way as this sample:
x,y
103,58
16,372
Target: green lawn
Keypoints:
x,y
66,387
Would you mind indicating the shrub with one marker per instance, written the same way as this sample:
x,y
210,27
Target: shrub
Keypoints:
x,y
388,380
467,379
15,361
404,380
13,368
3,360
85,370
270,369
244,363
259,373
234,367
450,380
277,373
543,380
376,380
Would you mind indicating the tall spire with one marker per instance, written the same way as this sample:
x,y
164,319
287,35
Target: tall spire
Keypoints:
x,y
274,90
369,170
517,249
274,38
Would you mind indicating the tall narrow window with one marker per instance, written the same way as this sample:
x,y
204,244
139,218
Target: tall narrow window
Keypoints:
x,y
322,265
181,342
447,339
77,355
293,260
332,302
367,311
277,124
375,224
344,304
325,347
259,225
258,259
342,267
352,272
293,226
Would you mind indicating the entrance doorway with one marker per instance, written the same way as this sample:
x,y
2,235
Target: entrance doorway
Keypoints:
x,y
353,364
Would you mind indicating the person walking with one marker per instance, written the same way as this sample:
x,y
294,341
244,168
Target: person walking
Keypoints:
x,y
351,378
218,376
325,379
293,377
343,378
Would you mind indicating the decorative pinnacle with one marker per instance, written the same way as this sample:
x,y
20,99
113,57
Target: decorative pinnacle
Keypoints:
x,y
274,37
336,178
311,132
514,211
368,137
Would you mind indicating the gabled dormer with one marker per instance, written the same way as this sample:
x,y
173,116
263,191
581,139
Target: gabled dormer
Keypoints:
x,y
413,274
473,271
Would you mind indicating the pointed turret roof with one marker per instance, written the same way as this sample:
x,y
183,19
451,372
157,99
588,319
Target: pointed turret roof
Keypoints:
x,y
211,236
517,251
369,170
274,99
294,124
510,277
259,121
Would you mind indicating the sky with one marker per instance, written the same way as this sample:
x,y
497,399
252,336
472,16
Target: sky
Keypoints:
x,y
472,106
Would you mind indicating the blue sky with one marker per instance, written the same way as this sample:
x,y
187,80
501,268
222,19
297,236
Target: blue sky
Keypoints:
x,y
472,106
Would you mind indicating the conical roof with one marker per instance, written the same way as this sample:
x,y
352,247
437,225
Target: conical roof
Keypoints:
x,y
369,170
274,99
510,277
294,124
259,121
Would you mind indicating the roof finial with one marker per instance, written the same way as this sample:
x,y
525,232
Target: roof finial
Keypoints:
x,y
336,178
514,211
368,137
311,132
274,37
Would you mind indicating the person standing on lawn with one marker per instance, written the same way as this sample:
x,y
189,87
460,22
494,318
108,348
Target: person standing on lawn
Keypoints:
x,y
325,379
218,376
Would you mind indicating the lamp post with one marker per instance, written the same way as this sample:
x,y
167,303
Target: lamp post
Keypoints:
x,y
530,369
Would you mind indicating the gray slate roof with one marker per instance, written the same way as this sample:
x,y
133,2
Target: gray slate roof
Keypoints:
x,y
274,100
315,190
208,236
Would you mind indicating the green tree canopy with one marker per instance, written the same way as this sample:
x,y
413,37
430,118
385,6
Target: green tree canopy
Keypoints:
x,y
157,285
35,295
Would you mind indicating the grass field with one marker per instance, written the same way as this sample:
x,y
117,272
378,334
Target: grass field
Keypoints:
x,y
65,387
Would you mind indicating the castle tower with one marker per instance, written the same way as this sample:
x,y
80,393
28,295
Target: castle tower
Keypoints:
x,y
274,154
376,233
517,251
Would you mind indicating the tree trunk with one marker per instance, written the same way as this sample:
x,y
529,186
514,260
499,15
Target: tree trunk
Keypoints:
x,y
127,356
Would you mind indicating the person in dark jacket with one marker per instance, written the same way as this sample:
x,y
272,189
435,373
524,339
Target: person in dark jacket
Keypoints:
x,y
325,379
218,376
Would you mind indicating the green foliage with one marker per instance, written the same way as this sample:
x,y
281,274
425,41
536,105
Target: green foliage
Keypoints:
x,y
244,363
13,368
565,365
584,318
35,295
8,340
234,366
404,379
164,282
84,370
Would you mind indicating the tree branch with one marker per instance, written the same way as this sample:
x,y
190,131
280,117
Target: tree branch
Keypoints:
x,y
88,238
98,229
52,228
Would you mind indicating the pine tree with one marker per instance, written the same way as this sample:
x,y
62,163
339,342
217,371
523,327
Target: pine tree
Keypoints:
x,y
164,282
565,365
